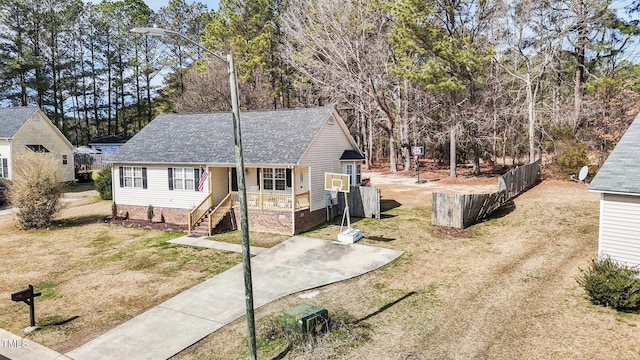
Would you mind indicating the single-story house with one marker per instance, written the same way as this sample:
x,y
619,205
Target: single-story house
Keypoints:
x,y
25,129
184,166
618,182
108,144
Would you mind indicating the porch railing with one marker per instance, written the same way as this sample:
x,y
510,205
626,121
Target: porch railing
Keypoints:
x,y
219,212
200,211
274,201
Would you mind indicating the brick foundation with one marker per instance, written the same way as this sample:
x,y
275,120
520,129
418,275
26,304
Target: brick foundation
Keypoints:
x,y
278,222
306,220
171,215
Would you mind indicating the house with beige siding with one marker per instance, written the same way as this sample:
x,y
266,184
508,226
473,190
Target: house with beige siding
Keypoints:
x,y
183,165
28,129
618,182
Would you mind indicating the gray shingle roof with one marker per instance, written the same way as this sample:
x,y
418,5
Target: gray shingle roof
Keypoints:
x,y
621,172
12,119
268,137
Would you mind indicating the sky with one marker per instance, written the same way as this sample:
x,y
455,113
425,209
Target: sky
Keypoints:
x,y
155,5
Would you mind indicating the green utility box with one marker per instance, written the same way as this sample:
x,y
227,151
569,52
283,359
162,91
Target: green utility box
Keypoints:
x,y
307,318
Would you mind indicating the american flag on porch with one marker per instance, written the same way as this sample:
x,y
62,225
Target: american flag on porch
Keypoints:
x,y
203,178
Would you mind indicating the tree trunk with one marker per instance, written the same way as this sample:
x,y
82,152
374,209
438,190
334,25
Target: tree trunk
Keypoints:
x,y
404,128
452,150
393,156
578,90
532,119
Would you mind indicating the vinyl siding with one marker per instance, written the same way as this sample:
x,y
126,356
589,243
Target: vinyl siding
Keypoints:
x,y
619,224
157,192
40,131
219,180
324,156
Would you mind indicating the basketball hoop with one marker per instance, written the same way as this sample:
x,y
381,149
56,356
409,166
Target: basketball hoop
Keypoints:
x,y
334,192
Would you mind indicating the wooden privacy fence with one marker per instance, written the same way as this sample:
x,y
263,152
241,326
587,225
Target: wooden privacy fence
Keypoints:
x,y
463,210
90,161
364,202
518,180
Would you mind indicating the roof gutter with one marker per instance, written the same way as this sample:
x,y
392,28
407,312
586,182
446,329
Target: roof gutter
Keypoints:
x,y
613,192
286,165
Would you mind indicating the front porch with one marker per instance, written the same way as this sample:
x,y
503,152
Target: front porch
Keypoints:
x,y
276,190
274,201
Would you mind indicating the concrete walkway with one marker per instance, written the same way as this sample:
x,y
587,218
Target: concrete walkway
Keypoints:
x,y
201,241
297,264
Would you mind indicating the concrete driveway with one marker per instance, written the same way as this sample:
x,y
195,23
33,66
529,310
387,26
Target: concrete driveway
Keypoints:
x,y
298,264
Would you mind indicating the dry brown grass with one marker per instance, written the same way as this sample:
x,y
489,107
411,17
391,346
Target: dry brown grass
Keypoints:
x,y
504,289
93,275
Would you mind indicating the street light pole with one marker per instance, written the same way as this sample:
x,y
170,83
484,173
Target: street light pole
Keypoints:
x,y
242,188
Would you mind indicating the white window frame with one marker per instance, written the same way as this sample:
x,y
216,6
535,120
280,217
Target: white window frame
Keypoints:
x,y
274,179
132,176
183,178
354,170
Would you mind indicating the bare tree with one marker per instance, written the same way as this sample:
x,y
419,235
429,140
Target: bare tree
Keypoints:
x,y
341,47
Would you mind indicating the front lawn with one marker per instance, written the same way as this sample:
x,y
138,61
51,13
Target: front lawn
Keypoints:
x,y
92,275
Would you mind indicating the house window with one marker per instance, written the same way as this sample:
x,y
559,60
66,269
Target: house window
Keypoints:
x,y
64,159
275,178
133,177
349,171
183,178
356,176
4,168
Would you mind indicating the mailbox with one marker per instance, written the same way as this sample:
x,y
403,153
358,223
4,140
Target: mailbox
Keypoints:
x,y
22,295
27,295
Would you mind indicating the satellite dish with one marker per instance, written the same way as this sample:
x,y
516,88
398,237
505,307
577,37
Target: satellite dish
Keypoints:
x,y
583,173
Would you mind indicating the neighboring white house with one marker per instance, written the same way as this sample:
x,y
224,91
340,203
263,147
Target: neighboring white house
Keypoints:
x,y
618,182
286,153
24,129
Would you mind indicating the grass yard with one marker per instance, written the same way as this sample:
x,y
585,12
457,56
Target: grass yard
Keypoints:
x,y
94,276
502,289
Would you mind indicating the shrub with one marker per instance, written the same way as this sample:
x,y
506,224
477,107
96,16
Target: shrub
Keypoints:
x,y
103,184
571,158
150,213
611,284
275,340
36,189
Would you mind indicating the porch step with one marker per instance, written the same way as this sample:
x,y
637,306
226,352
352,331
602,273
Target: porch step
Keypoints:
x,y
199,232
201,228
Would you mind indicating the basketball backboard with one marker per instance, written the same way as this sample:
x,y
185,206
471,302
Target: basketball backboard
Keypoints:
x,y
339,181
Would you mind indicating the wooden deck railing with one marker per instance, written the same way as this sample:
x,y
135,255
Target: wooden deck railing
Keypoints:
x,y
219,212
200,211
274,201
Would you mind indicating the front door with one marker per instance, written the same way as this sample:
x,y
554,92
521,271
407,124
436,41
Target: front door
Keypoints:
x,y
234,179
